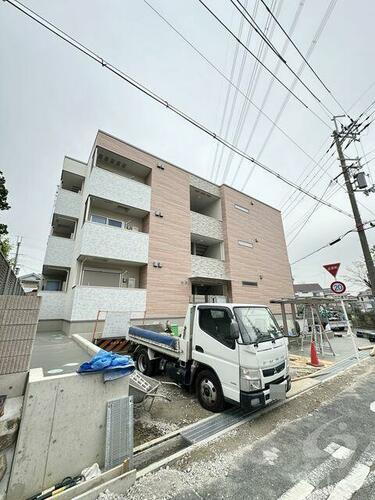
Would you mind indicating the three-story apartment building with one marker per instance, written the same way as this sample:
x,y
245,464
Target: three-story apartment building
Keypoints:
x,y
132,232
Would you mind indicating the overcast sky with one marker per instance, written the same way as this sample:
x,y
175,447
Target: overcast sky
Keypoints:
x,y
53,100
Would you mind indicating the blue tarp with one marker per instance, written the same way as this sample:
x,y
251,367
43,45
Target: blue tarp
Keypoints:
x,y
162,338
112,365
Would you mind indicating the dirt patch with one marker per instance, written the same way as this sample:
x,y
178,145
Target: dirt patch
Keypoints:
x,y
166,416
299,366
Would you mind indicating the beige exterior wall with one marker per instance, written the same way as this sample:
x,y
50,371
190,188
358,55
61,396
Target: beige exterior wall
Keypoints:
x,y
267,261
168,287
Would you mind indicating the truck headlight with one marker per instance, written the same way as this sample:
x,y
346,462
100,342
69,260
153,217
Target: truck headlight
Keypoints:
x,y
250,380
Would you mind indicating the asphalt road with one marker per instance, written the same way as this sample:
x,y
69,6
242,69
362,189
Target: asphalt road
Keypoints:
x,y
319,446
329,454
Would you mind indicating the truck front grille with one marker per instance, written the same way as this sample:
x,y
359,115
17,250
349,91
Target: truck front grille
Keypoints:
x,y
269,372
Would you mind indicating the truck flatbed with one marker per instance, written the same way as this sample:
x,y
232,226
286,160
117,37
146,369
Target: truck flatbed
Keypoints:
x,y
161,342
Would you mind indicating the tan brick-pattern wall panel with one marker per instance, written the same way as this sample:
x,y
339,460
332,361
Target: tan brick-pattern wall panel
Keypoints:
x,y
18,322
168,287
262,226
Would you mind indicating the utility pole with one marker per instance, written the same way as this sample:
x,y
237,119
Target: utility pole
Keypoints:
x,y
19,241
357,216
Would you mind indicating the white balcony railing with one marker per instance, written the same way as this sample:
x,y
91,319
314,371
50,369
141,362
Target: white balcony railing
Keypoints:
x,y
68,203
88,300
118,188
100,240
204,225
59,252
206,267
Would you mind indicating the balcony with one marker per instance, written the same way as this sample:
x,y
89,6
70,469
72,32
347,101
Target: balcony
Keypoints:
x,y
68,203
88,300
120,189
101,240
59,251
207,267
203,225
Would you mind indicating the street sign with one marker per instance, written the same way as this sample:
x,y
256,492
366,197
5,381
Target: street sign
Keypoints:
x,y
332,268
338,287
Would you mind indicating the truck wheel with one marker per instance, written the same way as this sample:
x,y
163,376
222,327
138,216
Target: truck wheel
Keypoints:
x,y
144,364
209,392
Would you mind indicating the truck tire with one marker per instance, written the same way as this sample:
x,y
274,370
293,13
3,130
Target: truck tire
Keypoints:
x,y
144,364
209,392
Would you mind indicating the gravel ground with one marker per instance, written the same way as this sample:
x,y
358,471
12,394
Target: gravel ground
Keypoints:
x,y
166,416
212,460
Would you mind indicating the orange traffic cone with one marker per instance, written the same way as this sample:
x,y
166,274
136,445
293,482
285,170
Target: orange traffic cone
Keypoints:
x,y
314,360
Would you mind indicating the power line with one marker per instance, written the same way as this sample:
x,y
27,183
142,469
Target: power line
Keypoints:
x,y
314,209
229,81
257,28
310,50
234,63
107,65
303,57
270,85
281,57
252,85
234,101
260,62
337,240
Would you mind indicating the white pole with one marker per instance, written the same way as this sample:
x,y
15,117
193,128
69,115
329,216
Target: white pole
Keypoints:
x,y
350,331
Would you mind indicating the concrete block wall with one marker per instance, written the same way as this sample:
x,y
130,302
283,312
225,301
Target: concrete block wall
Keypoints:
x,y
18,322
62,429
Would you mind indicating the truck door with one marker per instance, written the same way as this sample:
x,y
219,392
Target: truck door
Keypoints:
x,y
213,347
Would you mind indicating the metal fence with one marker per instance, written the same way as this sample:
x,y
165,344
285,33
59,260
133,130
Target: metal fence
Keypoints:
x,y
9,283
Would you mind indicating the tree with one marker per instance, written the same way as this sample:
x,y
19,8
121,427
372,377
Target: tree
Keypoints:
x,y
4,205
5,247
357,272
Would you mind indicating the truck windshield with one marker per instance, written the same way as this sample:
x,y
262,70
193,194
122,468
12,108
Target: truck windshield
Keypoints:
x,y
257,324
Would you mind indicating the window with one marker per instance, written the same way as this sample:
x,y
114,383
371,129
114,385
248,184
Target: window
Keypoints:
x,y
92,277
249,283
114,222
53,285
245,244
216,323
99,219
243,209
257,324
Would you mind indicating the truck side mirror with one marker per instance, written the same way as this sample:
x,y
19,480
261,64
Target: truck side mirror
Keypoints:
x,y
234,331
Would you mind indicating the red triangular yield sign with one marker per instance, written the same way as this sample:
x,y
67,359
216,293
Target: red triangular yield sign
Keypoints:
x,y
332,268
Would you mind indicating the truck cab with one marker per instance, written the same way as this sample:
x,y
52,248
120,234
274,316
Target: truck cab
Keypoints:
x,y
226,353
239,351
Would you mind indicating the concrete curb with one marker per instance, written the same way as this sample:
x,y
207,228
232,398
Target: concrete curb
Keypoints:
x,y
86,345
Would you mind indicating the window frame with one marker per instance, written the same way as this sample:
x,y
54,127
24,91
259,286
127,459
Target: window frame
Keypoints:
x,y
107,219
230,344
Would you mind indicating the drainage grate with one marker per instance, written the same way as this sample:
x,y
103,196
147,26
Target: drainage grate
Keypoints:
x,y
119,432
218,423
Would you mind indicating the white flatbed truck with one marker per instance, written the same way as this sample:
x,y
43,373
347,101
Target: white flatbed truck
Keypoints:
x,y
233,353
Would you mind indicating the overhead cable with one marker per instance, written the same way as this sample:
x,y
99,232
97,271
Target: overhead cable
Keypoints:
x,y
303,57
310,50
228,80
260,62
142,88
